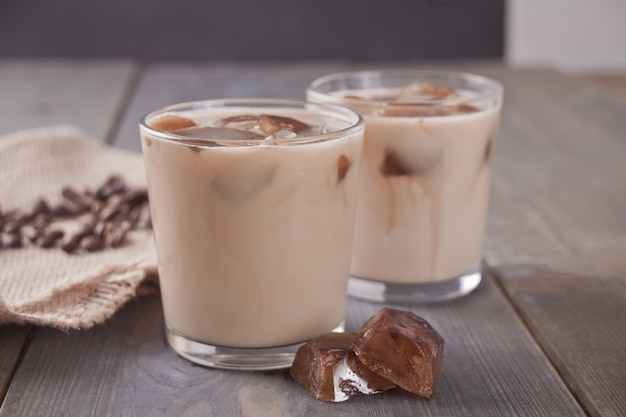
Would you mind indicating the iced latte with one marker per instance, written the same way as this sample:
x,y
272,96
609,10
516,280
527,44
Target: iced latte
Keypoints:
x,y
429,144
253,206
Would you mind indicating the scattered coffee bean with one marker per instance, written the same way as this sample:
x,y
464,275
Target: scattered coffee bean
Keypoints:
x,y
115,237
11,240
122,212
31,233
12,226
41,220
107,215
41,207
113,185
92,243
49,238
71,245
108,211
145,220
136,196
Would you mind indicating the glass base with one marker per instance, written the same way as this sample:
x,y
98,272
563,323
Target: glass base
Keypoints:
x,y
242,359
380,292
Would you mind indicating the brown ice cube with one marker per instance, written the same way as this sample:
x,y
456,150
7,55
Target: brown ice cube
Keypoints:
x,y
282,134
212,133
171,123
418,100
425,92
395,165
372,97
248,122
343,165
328,369
264,123
270,124
425,110
402,347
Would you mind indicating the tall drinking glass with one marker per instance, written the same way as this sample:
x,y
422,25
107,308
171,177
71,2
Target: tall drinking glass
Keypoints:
x,y
253,205
427,157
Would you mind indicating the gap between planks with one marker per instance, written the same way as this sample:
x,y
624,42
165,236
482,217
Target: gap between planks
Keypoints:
x,y
501,288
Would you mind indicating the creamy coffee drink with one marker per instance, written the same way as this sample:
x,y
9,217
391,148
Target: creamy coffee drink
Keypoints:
x,y
253,209
424,187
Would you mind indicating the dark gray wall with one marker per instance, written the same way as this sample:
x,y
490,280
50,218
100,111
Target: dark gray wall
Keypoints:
x,y
253,29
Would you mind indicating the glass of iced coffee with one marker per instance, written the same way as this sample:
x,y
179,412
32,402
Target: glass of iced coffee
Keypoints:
x,y
253,205
425,179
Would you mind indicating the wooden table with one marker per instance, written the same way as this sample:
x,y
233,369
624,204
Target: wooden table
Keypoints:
x,y
543,335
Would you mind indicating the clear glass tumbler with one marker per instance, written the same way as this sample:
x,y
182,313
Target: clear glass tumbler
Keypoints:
x,y
253,204
425,179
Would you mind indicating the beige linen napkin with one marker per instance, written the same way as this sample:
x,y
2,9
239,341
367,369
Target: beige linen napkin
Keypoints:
x,y
49,286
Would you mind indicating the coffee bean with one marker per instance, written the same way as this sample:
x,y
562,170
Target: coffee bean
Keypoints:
x,y
11,240
92,243
109,213
71,244
136,196
145,220
113,185
41,221
71,195
31,233
97,206
12,226
41,207
133,215
103,229
110,210
122,213
61,210
49,238
117,235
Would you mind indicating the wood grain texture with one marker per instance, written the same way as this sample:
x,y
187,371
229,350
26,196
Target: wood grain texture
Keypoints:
x,y
124,368
613,85
557,230
581,323
12,339
165,84
38,93
89,94
559,183
559,190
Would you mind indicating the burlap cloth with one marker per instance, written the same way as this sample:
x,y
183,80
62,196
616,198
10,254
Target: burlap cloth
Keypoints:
x,y
47,286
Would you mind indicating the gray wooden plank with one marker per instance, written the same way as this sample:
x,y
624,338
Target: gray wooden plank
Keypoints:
x,y
559,185
169,83
557,230
12,339
87,93
559,181
581,323
492,368
612,84
39,93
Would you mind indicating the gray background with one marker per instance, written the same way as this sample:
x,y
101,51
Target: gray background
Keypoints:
x,y
253,30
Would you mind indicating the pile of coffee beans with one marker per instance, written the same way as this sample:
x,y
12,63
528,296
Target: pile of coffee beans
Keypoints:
x,y
105,215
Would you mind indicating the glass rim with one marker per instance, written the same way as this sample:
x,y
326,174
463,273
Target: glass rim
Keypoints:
x,y
411,75
224,103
